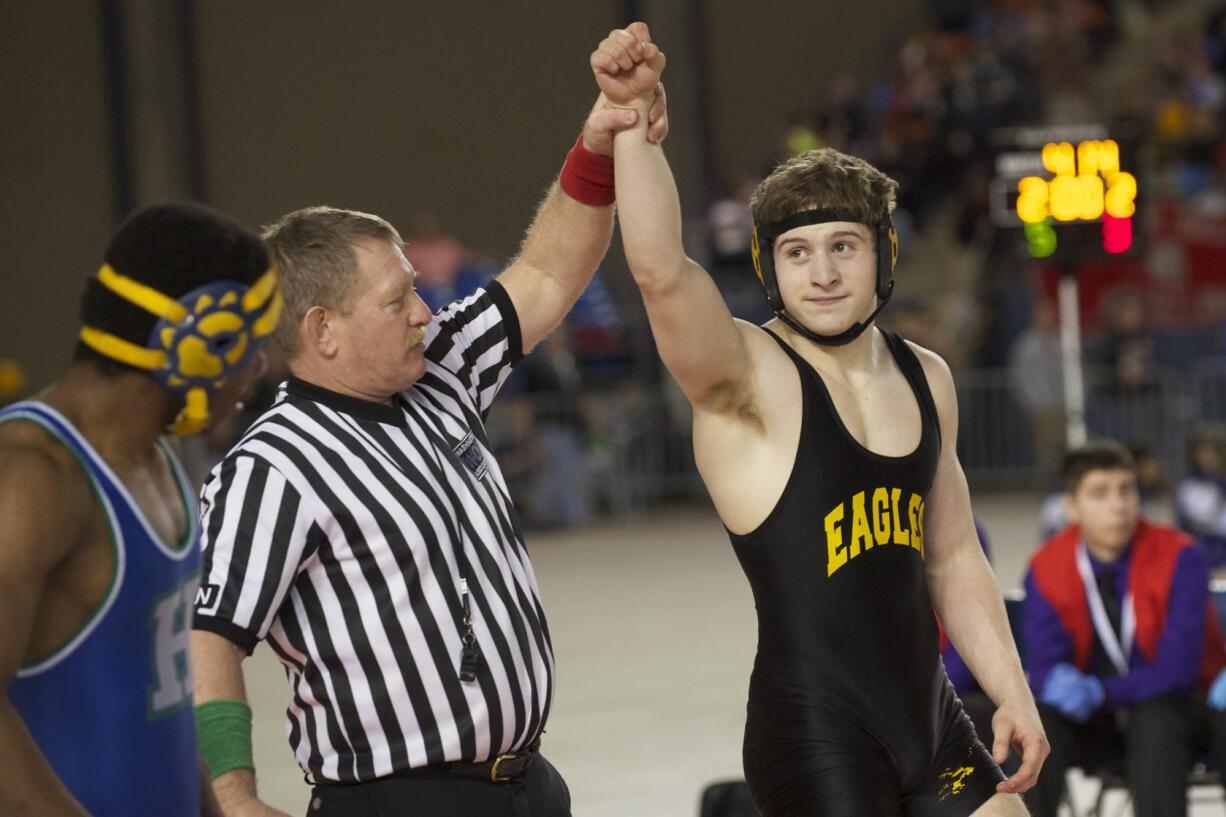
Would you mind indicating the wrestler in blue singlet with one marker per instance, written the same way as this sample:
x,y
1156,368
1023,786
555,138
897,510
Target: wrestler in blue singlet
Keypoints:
x,y
112,708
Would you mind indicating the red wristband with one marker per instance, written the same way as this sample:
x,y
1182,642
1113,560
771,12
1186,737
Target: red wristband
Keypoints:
x,y
587,177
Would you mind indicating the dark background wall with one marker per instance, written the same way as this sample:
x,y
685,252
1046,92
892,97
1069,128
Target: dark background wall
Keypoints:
x,y
462,109
55,198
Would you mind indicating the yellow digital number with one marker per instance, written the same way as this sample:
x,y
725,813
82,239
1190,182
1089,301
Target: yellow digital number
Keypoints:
x,y
1121,195
1032,203
1088,157
1065,197
1091,196
1078,192
1060,158
1108,158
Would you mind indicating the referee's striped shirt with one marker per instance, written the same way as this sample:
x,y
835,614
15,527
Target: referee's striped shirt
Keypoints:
x,y
340,530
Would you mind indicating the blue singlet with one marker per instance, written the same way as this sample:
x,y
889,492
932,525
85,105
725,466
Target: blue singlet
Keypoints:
x,y
112,707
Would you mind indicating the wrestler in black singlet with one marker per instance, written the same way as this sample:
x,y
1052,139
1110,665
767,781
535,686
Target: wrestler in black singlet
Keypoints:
x,y
850,712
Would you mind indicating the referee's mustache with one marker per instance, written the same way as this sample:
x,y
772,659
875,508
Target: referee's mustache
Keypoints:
x,y
417,335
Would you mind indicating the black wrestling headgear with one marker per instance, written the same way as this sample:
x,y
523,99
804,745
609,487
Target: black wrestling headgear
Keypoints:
x,y
764,235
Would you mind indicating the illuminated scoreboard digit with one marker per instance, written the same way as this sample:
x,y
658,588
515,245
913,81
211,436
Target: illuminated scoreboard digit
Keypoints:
x,y
1087,184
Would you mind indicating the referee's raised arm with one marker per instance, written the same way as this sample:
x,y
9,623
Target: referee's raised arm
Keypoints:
x,y
570,233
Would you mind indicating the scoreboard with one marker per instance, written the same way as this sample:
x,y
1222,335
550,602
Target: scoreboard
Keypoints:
x,y
1071,190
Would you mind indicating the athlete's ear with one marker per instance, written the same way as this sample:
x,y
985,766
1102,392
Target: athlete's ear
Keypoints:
x,y
318,332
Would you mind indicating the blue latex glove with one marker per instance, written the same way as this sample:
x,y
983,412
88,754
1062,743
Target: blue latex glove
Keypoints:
x,y
1063,689
1075,695
1062,674
1217,692
1095,694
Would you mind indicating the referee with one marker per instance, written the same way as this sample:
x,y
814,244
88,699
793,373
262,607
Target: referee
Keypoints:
x,y
363,529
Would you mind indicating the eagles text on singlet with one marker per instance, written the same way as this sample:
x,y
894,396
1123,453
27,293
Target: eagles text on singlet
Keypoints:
x,y
876,519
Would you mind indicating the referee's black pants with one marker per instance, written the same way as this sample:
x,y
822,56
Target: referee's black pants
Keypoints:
x,y
1157,744
538,792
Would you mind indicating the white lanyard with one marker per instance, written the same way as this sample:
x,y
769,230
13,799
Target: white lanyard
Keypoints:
x,y
1117,647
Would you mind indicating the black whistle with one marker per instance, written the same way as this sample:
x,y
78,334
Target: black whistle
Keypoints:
x,y
470,653
468,660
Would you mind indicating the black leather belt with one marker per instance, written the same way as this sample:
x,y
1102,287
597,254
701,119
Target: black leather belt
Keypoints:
x,y
501,769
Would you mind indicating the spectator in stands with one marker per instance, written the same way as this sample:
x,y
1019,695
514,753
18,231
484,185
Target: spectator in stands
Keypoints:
x,y
550,379
446,270
598,336
1036,378
1200,494
1129,401
1151,479
1151,488
1186,101
1122,640
730,232
1214,42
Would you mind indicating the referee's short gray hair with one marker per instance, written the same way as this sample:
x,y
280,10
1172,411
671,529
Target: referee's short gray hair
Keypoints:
x,y
313,249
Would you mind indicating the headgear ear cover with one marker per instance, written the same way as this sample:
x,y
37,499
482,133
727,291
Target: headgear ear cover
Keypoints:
x,y
762,251
199,341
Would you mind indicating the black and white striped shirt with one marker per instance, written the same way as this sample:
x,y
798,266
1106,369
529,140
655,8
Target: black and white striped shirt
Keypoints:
x,y
340,531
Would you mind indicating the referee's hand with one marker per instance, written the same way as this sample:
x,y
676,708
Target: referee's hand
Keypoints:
x,y
606,120
254,808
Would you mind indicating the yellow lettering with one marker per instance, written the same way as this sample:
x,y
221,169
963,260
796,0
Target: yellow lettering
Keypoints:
x,y
881,516
836,556
915,511
901,536
860,535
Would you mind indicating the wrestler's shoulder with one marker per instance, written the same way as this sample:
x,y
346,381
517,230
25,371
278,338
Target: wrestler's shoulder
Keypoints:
x,y
33,464
940,376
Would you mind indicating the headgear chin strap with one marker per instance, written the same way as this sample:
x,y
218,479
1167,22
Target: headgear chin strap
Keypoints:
x,y
200,340
762,250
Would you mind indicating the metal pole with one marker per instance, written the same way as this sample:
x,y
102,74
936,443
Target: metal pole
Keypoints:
x,y
695,21
193,131
1070,350
114,50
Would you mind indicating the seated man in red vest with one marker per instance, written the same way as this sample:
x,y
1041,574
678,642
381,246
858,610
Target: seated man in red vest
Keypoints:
x,y
1122,640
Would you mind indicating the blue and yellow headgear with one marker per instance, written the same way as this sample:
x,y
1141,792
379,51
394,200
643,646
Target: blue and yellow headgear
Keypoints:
x,y
199,341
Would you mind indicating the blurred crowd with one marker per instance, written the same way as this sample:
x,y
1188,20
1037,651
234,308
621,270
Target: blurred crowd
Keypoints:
x,y
928,119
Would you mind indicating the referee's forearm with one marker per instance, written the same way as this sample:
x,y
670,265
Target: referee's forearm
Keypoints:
x,y
209,807
218,674
217,666
234,789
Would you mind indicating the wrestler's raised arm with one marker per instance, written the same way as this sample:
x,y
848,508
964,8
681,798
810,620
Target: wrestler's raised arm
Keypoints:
x,y
698,339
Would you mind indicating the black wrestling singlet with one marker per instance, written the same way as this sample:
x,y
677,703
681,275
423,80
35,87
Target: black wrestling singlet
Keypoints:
x,y
850,712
